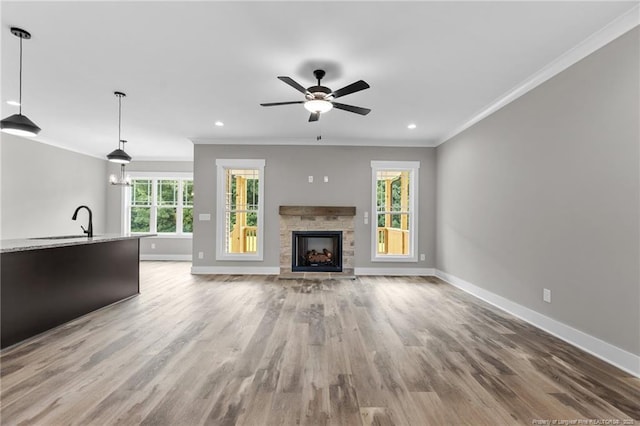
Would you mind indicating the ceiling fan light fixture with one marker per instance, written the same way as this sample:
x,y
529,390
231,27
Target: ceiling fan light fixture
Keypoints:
x,y
318,105
320,99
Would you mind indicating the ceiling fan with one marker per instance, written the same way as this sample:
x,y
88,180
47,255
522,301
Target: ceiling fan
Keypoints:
x,y
320,99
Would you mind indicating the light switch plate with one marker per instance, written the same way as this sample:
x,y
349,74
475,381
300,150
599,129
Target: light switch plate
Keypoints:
x,y
546,295
310,179
204,216
326,179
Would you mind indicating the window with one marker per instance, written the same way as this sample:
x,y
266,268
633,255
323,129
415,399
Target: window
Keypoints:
x,y
187,206
167,205
141,201
160,204
239,217
395,222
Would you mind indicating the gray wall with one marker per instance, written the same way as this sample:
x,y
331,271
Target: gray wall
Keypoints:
x,y
42,185
545,194
286,172
164,246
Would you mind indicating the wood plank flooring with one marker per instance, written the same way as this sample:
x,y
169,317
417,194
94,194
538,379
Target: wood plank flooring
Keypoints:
x,y
255,350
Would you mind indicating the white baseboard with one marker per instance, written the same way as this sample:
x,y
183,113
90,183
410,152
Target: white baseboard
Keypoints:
x,y
394,271
166,257
235,270
268,270
607,352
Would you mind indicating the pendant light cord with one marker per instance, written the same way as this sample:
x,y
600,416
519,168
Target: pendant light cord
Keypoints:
x,y
119,119
20,99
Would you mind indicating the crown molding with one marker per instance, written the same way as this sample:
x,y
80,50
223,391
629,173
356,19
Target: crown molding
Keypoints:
x,y
328,141
168,159
597,40
49,142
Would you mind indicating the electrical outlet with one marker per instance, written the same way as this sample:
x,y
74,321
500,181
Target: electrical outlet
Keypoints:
x,y
310,179
546,295
153,245
204,216
366,218
200,255
423,256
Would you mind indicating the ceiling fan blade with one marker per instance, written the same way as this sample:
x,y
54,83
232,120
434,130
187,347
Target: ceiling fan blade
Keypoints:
x,y
352,88
351,108
291,82
282,103
315,116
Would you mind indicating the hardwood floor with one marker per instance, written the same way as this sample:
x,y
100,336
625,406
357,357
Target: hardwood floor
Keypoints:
x,y
255,350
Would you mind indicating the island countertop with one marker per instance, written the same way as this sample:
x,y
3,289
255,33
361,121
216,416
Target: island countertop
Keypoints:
x,y
37,243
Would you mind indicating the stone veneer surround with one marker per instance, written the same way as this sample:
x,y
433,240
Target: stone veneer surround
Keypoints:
x,y
317,218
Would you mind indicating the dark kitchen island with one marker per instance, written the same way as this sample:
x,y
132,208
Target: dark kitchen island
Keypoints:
x,y
46,282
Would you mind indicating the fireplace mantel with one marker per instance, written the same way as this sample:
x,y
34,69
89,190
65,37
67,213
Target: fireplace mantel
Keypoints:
x,y
317,211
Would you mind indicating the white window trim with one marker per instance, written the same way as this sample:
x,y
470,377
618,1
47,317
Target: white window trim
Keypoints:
x,y
413,167
155,176
222,165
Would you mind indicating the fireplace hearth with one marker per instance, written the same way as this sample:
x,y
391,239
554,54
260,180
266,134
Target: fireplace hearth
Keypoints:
x,y
316,251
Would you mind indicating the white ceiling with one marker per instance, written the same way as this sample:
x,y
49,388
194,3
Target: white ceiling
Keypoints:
x,y
185,65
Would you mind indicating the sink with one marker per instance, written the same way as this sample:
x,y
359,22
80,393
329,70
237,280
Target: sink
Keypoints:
x,y
59,237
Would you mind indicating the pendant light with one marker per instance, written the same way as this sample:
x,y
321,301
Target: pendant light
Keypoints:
x,y
18,124
122,180
119,155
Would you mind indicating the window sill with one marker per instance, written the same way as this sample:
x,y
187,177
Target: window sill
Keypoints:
x,y
240,257
168,236
392,258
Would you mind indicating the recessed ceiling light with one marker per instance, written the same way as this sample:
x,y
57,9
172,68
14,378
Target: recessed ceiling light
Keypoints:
x,y
411,126
219,123
14,103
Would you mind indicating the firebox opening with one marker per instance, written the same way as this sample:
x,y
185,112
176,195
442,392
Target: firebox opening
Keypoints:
x,y
316,251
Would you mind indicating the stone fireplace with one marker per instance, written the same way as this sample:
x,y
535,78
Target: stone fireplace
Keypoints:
x,y
326,228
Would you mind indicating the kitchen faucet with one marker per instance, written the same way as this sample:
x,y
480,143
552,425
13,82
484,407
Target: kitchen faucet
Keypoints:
x,y
89,231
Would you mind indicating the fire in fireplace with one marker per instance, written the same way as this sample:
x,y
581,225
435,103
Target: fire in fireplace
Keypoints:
x,y
316,251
